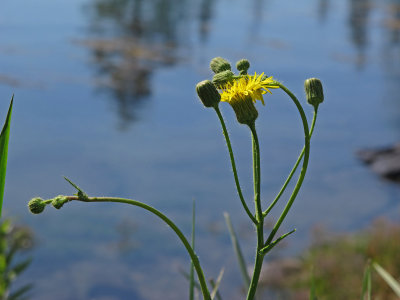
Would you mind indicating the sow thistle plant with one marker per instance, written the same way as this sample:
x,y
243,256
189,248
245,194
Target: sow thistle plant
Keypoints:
x,y
241,91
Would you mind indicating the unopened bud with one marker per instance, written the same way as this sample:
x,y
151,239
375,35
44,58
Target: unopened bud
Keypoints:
x,y
222,78
243,65
219,64
36,205
59,201
314,91
207,93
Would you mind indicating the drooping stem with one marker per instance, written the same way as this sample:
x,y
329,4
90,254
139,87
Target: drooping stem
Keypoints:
x,y
259,216
192,254
266,212
235,175
303,169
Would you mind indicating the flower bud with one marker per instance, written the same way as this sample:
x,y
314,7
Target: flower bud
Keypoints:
x,y
246,112
222,78
243,65
314,91
219,64
207,93
59,201
36,205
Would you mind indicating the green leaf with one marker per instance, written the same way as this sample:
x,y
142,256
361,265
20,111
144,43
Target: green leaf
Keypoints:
x,y
216,285
19,268
187,276
238,251
313,293
366,285
388,278
17,295
4,136
191,274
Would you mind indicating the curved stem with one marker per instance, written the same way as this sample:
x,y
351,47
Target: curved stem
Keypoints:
x,y
228,143
192,254
265,213
259,216
303,169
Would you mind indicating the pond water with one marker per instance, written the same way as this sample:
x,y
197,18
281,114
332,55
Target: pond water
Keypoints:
x,y
104,94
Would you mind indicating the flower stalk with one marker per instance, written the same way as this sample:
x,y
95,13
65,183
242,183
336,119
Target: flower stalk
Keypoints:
x,y
241,92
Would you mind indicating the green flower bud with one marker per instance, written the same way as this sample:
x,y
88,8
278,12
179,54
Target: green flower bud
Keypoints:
x,y
314,91
246,112
219,64
243,65
208,94
59,201
36,205
222,78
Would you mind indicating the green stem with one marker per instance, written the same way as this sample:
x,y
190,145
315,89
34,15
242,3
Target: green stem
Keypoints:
x,y
191,272
228,143
192,254
303,169
260,219
266,212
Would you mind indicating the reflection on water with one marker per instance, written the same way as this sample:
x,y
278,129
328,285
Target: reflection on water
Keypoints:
x,y
132,39
323,7
359,12
391,52
205,17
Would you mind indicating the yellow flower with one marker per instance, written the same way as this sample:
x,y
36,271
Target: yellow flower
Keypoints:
x,y
248,86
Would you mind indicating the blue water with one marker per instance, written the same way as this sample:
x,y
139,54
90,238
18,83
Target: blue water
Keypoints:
x,y
124,120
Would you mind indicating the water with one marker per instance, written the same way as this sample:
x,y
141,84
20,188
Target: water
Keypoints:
x,y
105,96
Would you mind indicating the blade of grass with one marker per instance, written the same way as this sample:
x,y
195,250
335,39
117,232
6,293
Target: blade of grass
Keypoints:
x,y
215,285
187,276
191,273
366,285
238,251
4,137
313,294
217,296
387,278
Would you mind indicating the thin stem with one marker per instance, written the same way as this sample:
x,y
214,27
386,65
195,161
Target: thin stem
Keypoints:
x,y
192,254
191,272
303,169
266,212
235,175
260,219
256,173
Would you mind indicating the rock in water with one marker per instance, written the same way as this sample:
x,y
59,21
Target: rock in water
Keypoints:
x,y
384,161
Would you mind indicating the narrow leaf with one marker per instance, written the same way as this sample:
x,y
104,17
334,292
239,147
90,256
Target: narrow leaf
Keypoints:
x,y
269,247
19,268
216,284
366,285
313,294
238,251
187,276
4,137
388,278
20,292
217,295
191,274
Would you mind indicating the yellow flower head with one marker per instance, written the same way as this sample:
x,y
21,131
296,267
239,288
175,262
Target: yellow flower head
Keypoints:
x,y
248,86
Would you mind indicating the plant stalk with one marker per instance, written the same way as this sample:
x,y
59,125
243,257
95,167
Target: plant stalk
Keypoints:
x,y
192,254
235,175
259,216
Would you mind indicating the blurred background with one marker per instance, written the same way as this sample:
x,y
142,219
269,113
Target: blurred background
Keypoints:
x,y
105,95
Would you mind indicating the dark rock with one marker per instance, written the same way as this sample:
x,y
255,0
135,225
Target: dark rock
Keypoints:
x,y
384,161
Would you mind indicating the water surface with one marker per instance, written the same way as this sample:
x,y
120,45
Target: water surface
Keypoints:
x,y
105,96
